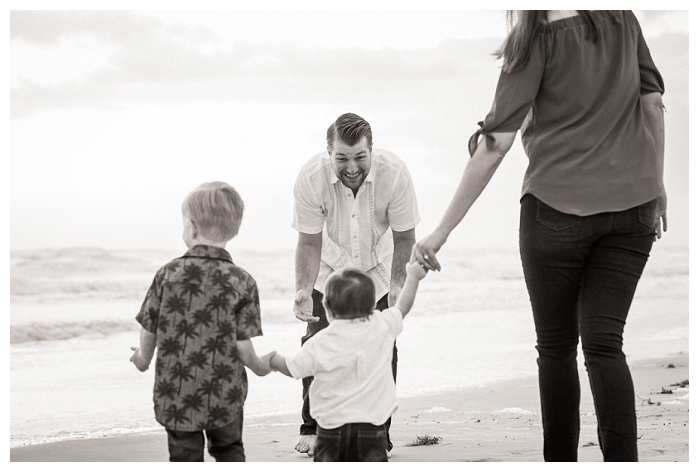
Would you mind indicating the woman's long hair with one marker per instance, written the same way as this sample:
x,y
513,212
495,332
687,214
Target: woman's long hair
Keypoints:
x,y
524,26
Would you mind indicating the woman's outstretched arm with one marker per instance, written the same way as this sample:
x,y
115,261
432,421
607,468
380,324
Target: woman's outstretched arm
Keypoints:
x,y
479,170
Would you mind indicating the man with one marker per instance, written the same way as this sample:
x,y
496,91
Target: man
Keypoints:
x,y
345,200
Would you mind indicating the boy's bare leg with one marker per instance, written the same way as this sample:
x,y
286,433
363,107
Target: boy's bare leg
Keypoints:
x,y
307,442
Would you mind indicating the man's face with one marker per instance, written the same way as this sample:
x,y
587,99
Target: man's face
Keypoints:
x,y
351,163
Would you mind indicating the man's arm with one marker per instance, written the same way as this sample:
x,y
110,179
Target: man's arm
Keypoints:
x,y
403,242
308,249
653,110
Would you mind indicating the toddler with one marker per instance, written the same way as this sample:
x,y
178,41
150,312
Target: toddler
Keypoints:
x,y
353,392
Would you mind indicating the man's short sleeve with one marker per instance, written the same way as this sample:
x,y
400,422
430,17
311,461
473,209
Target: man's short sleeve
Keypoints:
x,y
403,214
150,310
308,213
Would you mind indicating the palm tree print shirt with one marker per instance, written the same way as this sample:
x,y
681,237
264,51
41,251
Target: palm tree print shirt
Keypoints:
x,y
198,306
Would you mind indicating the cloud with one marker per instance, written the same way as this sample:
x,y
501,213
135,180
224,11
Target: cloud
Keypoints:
x,y
155,61
48,27
159,66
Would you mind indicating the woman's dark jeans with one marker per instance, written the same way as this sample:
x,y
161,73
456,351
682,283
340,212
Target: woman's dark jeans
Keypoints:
x,y
353,442
225,444
581,274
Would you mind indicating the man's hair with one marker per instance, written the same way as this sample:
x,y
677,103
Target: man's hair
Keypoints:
x,y
349,294
216,209
350,129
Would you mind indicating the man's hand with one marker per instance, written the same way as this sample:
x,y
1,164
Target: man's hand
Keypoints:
x,y
661,216
138,360
303,307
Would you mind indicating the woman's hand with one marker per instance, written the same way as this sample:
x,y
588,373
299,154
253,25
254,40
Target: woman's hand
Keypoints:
x,y
425,250
661,216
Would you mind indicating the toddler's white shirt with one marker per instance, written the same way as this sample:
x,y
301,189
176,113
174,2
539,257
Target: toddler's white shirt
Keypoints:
x,y
351,363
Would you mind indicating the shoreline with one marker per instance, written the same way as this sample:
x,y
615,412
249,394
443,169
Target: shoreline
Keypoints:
x,y
496,422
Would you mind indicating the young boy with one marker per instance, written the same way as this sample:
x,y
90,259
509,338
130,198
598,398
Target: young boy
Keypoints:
x,y
353,392
201,312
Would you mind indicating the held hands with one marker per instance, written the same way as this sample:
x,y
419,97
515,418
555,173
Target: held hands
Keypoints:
x,y
138,360
265,368
425,250
303,307
661,216
415,270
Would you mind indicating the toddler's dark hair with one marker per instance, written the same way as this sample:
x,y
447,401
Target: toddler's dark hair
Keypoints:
x,y
350,294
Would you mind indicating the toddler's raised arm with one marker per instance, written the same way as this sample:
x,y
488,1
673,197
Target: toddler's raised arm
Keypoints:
x,y
415,272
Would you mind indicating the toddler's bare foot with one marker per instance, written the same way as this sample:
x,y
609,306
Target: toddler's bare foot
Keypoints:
x,y
306,444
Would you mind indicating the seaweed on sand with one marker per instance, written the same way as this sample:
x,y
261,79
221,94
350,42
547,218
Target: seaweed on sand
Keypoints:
x,y
425,440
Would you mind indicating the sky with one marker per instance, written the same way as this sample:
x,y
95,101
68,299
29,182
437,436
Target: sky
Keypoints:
x,y
116,115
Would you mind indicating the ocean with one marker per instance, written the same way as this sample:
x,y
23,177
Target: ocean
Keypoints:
x,y
72,325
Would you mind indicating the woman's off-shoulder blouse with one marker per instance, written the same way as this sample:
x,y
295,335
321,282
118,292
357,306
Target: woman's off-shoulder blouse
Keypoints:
x,y
589,148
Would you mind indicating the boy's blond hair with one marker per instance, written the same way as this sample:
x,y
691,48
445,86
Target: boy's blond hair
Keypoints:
x,y
216,209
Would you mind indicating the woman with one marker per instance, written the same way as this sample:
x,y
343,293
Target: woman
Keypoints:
x,y
584,90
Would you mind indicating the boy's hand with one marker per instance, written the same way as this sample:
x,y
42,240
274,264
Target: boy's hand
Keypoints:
x,y
265,368
415,269
138,360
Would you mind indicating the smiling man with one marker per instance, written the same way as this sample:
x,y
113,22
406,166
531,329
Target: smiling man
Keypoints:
x,y
345,200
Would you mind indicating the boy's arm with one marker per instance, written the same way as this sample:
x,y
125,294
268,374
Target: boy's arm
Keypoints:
x,y
415,273
278,363
246,353
143,355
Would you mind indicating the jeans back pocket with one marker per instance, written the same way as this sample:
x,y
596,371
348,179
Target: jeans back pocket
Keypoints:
x,y
646,213
372,446
327,447
554,219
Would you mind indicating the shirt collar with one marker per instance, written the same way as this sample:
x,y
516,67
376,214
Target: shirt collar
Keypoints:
x,y
209,252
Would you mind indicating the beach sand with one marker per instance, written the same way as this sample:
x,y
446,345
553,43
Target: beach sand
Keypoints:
x,y
499,422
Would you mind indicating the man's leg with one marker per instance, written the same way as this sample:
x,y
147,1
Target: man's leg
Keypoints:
x,y
381,305
307,440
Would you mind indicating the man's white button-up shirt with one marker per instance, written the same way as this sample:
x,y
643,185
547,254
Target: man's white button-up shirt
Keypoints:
x,y
355,228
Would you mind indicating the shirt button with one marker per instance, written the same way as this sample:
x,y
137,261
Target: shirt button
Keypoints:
x,y
349,194
353,216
